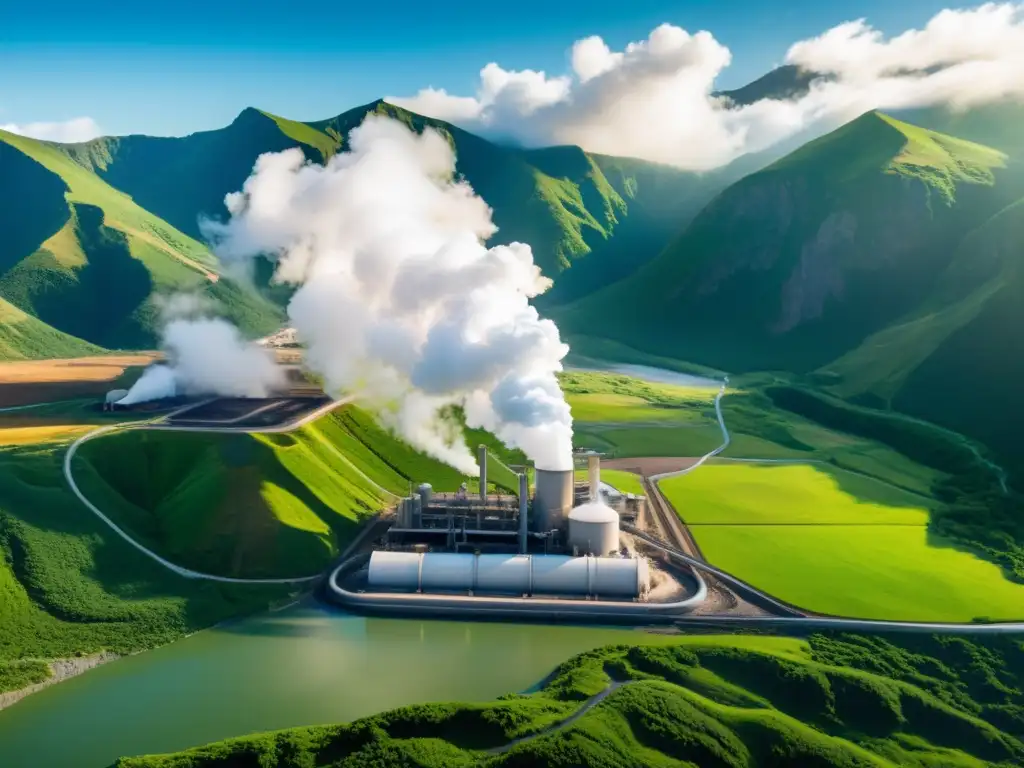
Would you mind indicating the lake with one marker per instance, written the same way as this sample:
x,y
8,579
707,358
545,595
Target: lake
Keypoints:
x,y
305,665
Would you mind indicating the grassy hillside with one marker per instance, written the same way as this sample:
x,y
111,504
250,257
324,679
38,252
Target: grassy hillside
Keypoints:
x,y
955,360
799,263
87,261
249,505
254,505
68,585
711,701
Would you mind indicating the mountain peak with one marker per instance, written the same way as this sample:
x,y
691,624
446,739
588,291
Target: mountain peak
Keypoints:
x,y
248,116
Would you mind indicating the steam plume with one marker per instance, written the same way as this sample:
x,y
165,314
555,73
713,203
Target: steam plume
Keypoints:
x,y
205,356
399,301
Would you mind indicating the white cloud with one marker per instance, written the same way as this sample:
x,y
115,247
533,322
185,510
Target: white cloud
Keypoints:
x,y
68,132
654,99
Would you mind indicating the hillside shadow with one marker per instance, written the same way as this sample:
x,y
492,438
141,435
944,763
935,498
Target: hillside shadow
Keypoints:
x,y
32,206
100,301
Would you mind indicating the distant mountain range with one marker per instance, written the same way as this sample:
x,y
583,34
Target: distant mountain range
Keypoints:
x,y
96,232
881,261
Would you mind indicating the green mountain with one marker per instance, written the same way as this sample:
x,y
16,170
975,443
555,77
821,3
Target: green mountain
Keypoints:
x,y
794,265
558,199
88,262
882,258
100,229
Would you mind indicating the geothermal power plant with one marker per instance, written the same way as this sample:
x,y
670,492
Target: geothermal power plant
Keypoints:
x,y
557,552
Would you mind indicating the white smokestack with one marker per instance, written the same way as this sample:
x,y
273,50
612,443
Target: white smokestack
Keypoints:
x,y
399,300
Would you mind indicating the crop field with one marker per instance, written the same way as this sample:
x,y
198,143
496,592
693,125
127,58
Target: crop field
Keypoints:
x,y
734,702
898,573
738,493
834,542
625,416
620,480
41,381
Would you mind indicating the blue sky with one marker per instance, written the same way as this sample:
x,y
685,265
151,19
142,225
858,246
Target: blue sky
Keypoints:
x,y
173,68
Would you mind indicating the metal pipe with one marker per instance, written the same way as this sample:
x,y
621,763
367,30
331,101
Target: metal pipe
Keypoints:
x,y
482,459
594,465
524,491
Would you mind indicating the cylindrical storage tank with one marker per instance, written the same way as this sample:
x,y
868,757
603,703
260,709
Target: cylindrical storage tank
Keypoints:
x,y
561,575
425,491
505,574
594,529
619,577
447,571
552,499
395,570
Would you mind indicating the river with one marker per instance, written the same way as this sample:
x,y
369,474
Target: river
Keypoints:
x,y
301,666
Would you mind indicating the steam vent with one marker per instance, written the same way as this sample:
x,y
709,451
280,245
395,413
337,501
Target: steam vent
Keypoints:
x,y
560,554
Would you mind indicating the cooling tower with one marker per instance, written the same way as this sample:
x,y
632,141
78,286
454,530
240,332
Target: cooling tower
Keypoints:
x,y
552,499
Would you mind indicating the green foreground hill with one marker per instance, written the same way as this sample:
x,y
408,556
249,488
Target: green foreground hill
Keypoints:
x,y
710,701
255,505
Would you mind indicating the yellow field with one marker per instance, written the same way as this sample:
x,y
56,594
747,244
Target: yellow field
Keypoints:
x,y
41,381
49,433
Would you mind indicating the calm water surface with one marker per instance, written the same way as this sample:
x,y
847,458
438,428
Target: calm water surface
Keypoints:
x,y
302,666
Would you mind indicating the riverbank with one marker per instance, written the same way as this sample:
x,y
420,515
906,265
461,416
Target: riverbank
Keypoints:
x,y
60,670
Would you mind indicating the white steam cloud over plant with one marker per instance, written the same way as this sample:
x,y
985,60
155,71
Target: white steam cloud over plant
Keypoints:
x,y
656,99
205,355
399,300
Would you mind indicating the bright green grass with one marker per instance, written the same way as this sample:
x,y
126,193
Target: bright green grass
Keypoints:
x,y
794,494
256,505
835,542
618,408
651,441
70,586
897,573
326,145
23,337
942,161
623,482
121,212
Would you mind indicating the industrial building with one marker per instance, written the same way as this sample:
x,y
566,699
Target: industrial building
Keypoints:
x,y
558,553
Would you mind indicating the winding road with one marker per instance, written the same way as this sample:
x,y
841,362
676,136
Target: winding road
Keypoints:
x,y
159,424
588,705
